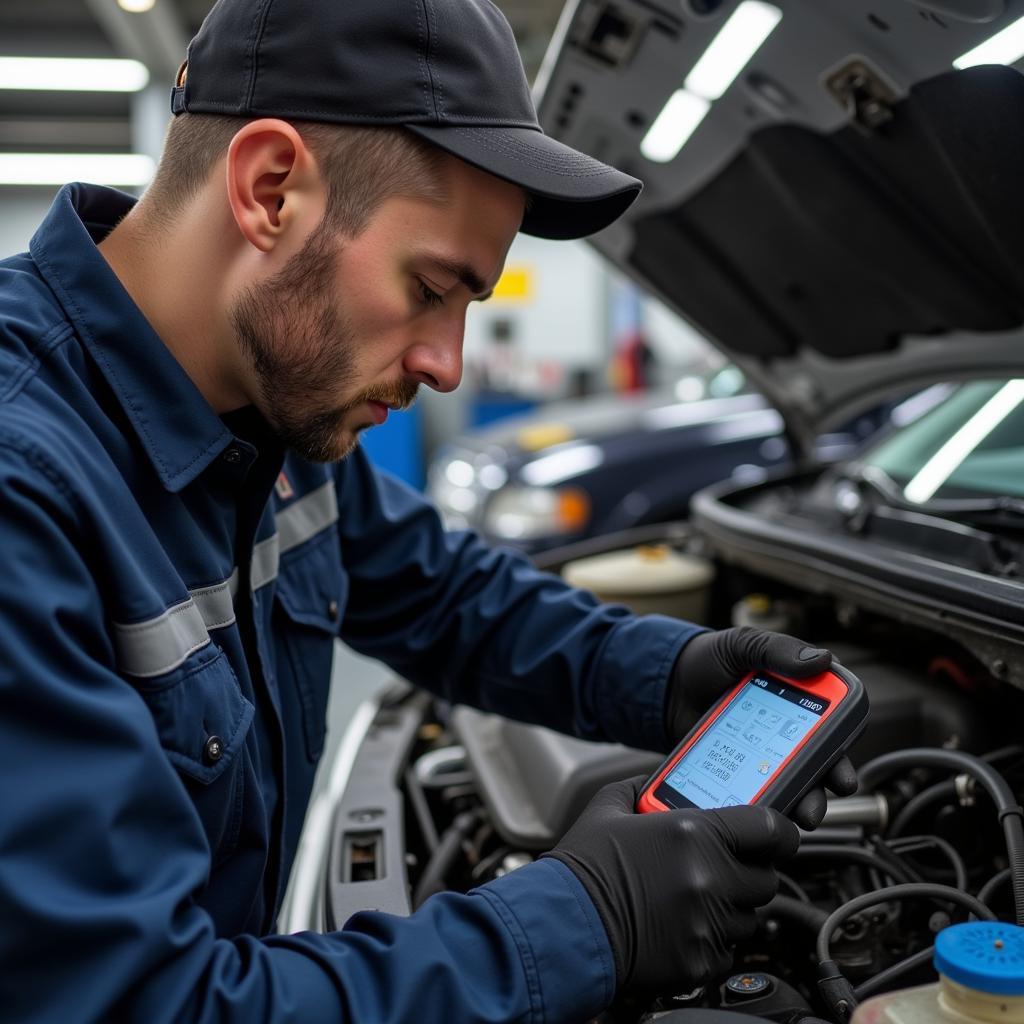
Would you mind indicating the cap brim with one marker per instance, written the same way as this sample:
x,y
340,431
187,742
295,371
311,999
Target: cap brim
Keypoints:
x,y
571,194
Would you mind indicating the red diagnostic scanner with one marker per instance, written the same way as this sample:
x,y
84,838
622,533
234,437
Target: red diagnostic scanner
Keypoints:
x,y
768,740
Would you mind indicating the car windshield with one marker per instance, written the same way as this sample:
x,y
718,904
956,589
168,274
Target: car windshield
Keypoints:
x,y
969,446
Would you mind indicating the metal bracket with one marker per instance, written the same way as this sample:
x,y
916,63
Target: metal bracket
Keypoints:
x,y
863,93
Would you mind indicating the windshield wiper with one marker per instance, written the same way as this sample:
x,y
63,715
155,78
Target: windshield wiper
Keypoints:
x,y
1001,509
998,512
995,554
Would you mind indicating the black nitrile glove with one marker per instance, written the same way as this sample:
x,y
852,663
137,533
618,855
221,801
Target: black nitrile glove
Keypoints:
x,y
675,889
711,663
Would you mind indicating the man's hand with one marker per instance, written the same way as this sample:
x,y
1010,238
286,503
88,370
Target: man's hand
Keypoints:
x,y
713,662
675,889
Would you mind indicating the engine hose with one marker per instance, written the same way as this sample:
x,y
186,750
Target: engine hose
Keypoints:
x,y
793,886
858,855
924,890
833,987
833,834
943,790
989,889
1007,808
881,981
911,844
807,915
441,860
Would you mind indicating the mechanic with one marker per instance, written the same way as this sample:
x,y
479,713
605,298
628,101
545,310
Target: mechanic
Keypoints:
x,y
188,524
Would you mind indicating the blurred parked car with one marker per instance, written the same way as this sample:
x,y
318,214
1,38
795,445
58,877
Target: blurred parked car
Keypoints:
x,y
594,465
597,465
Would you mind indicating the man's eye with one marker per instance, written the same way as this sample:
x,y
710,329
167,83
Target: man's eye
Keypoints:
x,y
429,296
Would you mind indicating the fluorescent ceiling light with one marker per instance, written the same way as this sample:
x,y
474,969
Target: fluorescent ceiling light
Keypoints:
x,y
678,120
727,55
136,6
944,463
730,51
57,168
68,74
1006,47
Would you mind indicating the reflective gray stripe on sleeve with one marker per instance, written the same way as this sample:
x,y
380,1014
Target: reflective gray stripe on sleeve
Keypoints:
x,y
158,645
215,603
306,517
265,558
303,519
162,643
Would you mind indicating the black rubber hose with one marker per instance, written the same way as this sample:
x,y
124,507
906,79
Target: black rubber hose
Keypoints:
x,y
923,890
832,834
833,987
1007,808
989,889
486,864
858,855
793,886
879,847
448,847
807,915
942,790
884,978
910,844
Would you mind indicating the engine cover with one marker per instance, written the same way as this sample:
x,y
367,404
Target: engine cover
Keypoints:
x,y
535,782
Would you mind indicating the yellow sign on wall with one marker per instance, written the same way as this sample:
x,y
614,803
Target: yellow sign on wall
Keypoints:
x,y
515,284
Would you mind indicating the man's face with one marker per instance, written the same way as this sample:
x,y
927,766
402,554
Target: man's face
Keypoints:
x,y
351,327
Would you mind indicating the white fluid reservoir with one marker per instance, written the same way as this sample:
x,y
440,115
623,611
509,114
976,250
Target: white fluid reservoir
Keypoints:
x,y
651,578
981,981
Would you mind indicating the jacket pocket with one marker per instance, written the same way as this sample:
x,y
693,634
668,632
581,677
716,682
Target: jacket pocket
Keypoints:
x,y
202,720
310,599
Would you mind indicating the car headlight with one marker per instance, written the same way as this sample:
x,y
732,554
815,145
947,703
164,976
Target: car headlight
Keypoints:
x,y
458,485
525,513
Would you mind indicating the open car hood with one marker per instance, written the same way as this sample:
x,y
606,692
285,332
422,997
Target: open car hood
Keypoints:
x,y
847,221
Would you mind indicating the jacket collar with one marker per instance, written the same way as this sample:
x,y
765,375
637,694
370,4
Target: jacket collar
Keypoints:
x,y
175,424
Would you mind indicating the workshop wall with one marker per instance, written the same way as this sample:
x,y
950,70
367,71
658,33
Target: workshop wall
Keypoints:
x,y
21,210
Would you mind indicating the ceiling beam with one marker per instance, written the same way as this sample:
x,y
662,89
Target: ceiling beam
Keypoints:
x,y
66,133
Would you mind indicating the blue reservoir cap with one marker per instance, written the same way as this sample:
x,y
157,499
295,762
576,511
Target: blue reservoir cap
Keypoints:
x,y
987,956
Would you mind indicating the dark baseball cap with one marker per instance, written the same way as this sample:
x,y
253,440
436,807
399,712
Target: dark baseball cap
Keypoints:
x,y
448,70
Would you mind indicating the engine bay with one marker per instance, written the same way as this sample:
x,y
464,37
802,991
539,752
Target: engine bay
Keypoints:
x,y
925,842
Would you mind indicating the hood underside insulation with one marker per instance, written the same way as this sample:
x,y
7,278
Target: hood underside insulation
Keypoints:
x,y
844,243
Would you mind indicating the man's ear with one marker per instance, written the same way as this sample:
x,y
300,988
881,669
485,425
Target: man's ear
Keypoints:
x,y
271,179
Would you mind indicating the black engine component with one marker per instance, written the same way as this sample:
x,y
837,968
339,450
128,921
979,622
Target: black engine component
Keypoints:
x,y
908,709
534,782
702,1016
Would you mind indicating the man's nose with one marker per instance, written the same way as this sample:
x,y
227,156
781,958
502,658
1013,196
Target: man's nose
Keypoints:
x,y
437,362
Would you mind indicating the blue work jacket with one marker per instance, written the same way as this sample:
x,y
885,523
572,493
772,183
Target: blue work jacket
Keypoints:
x,y
173,582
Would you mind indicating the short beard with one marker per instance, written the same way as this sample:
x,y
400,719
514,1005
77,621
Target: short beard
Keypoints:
x,y
300,348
